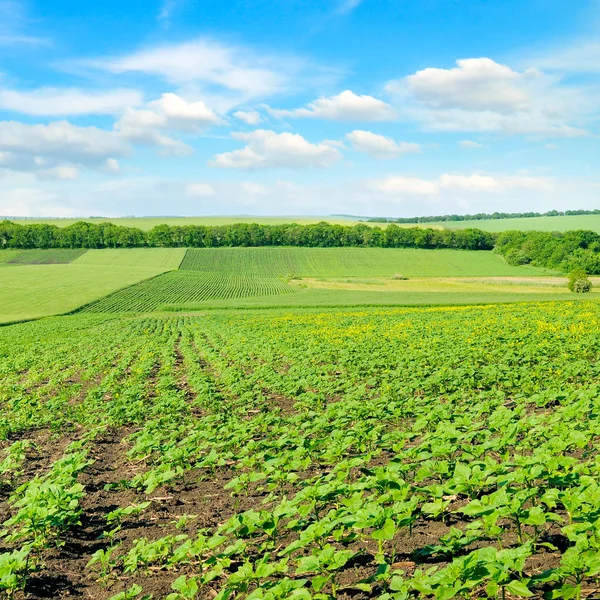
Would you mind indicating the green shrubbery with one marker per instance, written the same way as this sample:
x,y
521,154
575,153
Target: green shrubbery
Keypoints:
x,y
579,282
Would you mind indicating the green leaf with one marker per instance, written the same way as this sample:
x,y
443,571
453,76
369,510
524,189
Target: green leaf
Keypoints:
x,y
518,588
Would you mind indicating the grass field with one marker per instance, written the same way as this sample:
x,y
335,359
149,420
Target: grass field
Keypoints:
x,y
179,287
355,262
55,256
162,258
33,291
566,223
415,453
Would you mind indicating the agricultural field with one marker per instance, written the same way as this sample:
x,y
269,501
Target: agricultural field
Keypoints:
x,y
55,256
162,258
352,262
187,287
560,223
406,453
33,291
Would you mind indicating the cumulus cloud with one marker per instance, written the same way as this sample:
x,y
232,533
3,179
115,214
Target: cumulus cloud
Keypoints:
x,y
474,84
57,149
266,149
170,113
61,140
480,94
379,146
250,117
346,106
69,101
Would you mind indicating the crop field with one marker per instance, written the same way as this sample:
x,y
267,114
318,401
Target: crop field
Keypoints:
x,y
183,287
55,256
399,454
162,258
355,262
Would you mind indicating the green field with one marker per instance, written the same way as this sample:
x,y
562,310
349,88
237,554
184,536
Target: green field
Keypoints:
x,y
34,291
183,287
55,256
561,223
162,258
354,262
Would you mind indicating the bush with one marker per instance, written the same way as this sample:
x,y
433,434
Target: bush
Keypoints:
x,y
579,282
399,277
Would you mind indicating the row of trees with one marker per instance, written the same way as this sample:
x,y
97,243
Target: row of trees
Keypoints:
x,y
484,216
109,235
561,251
567,251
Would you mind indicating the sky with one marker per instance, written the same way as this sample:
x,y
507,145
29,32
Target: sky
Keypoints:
x,y
298,107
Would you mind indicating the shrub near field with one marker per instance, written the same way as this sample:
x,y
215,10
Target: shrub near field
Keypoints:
x,y
397,454
179,288
350,262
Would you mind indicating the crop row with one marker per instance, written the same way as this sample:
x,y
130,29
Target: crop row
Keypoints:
x,y
180,288
411,453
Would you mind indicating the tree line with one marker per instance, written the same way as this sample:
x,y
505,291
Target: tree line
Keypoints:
x,y
553,250
483,216
322,235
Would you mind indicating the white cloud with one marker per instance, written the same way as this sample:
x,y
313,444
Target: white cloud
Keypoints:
x,y
411,186
170,113
254,189
474,84
267,150
449,183
346,106
581,57
62,141
250,117
70,101
480,94
64,173
56,150
199,190
470,144
112,166
379,146
234,68
471,183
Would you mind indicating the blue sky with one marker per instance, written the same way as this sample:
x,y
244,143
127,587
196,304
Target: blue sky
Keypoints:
x,y
372,107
